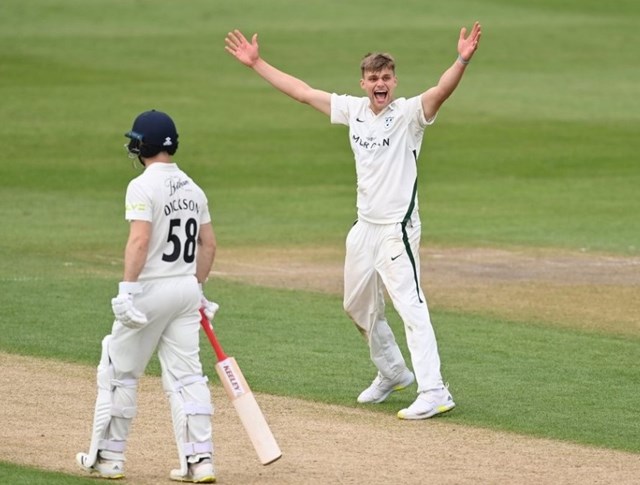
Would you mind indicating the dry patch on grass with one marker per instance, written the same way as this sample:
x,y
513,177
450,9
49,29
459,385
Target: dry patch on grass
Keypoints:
x,y
594,292
47,410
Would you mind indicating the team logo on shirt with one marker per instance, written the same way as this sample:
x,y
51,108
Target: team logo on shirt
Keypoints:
x,y
388,122
175,184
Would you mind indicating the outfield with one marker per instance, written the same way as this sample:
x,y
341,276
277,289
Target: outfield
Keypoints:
x,y
528,191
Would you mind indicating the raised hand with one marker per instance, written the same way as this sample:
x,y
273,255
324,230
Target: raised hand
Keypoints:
x,y
238,46
468,45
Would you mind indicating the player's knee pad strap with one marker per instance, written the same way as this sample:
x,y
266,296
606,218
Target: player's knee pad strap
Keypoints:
x,y
184,382
176,389
125,412
112,445
194,408
189,449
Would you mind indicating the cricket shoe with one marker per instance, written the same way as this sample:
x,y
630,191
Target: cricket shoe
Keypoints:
x,y
102,468
382,386
428,404
201,472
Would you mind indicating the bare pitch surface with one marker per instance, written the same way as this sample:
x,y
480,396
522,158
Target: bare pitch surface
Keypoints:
x,y
320,443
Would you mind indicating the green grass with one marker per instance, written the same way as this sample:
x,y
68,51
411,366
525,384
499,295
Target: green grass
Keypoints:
x,y
536,149
21,475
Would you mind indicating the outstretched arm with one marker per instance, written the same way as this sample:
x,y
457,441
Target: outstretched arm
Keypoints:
x,y
433,98
249,55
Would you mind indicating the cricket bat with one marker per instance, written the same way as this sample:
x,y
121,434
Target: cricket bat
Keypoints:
x,y
243,400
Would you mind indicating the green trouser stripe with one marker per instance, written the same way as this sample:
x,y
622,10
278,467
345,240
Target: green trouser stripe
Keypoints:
x,y
405,236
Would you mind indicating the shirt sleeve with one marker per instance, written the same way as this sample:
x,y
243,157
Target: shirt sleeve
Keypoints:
x,y
339,109
138,205
205,215
416,106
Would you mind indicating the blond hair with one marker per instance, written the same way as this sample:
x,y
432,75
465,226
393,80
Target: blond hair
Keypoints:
x,y
376,62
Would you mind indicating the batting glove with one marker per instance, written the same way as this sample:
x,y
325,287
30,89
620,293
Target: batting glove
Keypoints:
x,y
123,309
208,307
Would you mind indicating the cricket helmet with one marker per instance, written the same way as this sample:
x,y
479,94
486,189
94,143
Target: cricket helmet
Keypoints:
x,y
152,132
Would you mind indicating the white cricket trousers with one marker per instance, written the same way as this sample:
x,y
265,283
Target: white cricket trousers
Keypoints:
x,y
171,306
380,256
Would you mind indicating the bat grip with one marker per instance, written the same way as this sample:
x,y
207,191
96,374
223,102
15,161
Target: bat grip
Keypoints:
x,y
208,329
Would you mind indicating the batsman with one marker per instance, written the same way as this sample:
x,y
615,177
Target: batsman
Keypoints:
x,y
385,133
168,256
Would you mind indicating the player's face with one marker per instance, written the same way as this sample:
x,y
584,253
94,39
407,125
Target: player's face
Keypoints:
x,y
379,87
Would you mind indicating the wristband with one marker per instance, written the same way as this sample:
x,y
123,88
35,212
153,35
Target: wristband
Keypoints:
x,y
462,61
130,287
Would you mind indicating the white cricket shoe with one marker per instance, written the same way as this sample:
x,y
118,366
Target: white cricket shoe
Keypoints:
x,y
381,387
428,404
201,472
102,468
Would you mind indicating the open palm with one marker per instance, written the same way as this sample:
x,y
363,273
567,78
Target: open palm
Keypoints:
x,y
468,45
238,46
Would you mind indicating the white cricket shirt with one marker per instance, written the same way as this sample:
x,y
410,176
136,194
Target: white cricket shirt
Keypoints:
x,y
386,148
175,206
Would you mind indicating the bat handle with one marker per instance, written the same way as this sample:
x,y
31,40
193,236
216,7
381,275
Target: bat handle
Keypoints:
x,y
208,329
